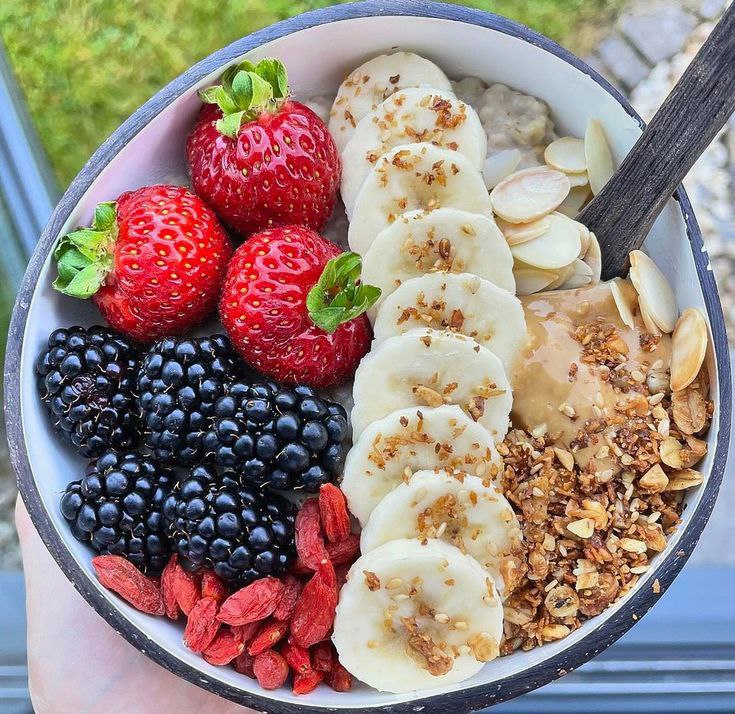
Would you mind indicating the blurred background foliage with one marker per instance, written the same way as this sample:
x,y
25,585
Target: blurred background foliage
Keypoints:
x,y
85,65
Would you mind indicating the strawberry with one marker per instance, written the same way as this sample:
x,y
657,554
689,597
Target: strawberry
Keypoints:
x,y
153,261
259,158
293,306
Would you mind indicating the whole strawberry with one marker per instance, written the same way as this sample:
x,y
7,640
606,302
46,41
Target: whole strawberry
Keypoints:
x,y
153,261
257,157
293,307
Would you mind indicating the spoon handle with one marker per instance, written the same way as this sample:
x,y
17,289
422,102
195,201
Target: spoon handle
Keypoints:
x,y
622,214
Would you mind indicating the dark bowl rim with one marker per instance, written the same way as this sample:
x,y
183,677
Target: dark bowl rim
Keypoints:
x,y
472,698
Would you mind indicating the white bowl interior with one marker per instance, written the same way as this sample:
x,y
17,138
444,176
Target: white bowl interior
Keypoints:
x,y
317,59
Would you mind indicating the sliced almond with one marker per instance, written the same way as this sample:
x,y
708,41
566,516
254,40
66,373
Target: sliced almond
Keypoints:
x,y
688,348
686,478
598,156
567,155
532,280
564,274
516,233
577,180
581,275
654,480
582,528
500,165
655,291
593,258
557,247
573,203
625,298
584,239
529,194
670,452
650,325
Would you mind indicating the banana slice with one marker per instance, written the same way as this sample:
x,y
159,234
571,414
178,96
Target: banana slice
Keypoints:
x,y
414,176
445,240
417,114
414,616
463,303
373,82
464,511
429,368
410,440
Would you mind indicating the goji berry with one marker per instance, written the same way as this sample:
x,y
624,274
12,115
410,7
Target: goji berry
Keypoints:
x,y
252,603
223,648
122,577
245,633
339,678
171,606
297,657
335,517
187,588
314,613
202,625
322,656
309,540
345,550
243,664
270,632
338,553
270,670
307,682
212,586
291,591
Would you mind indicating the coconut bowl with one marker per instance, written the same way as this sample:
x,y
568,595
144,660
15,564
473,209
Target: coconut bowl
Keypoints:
x,y
319,48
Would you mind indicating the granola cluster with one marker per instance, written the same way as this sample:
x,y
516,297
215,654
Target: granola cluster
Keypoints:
x,y
590,532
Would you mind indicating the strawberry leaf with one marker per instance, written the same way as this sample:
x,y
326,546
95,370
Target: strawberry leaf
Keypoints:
x,y
247,90
338,296
84,256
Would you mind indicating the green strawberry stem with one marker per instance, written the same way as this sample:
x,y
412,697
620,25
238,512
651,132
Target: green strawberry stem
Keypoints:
x,y
84,256
339,296
247,90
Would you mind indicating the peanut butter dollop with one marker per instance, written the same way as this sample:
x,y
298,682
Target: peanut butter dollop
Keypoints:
x,y
560,384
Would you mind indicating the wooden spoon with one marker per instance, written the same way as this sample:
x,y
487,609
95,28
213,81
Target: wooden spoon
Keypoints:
x,y
623,212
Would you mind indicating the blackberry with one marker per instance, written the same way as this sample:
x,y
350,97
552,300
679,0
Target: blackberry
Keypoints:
x,y
178,384
86,379
282,437
117,508
242,532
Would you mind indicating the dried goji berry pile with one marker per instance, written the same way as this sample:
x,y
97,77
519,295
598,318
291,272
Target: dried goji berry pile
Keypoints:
x,y
272,628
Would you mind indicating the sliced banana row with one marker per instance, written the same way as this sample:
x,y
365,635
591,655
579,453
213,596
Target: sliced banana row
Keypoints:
x,y
410,116
411,177
414,439
465,511
432,398
373,82
462,303
413,616
423,368
445,240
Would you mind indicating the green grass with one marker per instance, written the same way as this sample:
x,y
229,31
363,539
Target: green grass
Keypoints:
x,y
85,65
